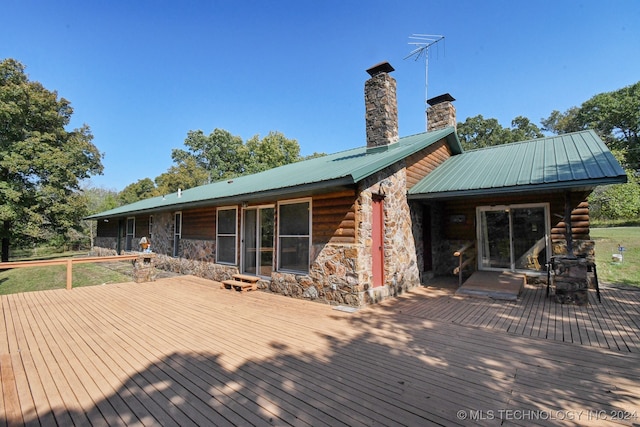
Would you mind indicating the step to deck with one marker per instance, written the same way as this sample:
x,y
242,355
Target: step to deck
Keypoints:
x,y
246,278
241,282
503,285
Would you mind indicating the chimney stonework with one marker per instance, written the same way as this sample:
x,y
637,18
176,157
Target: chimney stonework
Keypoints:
x,y
441,112
381,106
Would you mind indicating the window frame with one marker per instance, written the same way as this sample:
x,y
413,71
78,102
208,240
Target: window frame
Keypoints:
x,y
129,237
308,236
234,235
481,238
177,234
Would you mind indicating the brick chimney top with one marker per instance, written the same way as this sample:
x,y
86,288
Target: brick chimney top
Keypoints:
x,y
440,98
383,67
441,112
381,106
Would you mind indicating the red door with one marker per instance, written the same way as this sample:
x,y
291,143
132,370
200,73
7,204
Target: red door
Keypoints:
x,y
377,237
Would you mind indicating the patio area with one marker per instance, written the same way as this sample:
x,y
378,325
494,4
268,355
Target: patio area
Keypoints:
x,y
182,351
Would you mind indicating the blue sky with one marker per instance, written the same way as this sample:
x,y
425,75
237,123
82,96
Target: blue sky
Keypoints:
x,y
142,74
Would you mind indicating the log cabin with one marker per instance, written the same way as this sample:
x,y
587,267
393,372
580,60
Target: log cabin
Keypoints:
x,y
356,227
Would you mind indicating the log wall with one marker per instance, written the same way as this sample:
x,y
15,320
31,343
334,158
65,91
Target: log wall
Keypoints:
x,y
334,217
425,161
467,231
199,224
107,229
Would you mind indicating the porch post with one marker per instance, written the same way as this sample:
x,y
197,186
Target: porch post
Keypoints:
x,y
567,223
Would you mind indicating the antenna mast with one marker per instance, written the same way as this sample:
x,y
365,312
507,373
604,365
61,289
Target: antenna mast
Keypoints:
x,y
422,43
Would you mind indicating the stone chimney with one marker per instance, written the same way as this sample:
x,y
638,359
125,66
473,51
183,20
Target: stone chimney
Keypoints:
x,y
441,112
381,106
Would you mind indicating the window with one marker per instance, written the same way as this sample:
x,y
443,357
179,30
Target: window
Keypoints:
x,y
294,236
258,240
131,233
226,236
513,237
177,233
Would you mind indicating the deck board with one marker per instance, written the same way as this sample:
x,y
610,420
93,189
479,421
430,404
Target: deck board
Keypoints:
x,y
181,351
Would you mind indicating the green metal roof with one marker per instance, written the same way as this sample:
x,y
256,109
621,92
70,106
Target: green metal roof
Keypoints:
x,y
574,160
336,170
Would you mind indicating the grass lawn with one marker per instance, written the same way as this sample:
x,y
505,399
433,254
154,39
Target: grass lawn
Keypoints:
x,y
607,241
55,277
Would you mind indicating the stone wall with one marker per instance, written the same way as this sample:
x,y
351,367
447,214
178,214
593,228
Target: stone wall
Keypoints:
x,y
400,263
162,233
381,110
106,244
417,228
199,250
103,248
444,262
332,278
204,269
581,248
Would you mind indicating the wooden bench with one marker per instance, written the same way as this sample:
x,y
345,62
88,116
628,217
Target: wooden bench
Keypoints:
x,y
241,282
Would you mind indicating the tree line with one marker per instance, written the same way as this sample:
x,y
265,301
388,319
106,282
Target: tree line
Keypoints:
x,y
43,165
615,116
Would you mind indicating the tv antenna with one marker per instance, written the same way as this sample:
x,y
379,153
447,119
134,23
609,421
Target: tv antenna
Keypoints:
x,y
422,43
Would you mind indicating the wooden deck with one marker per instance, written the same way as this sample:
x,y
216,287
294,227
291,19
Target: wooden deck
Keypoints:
x,y
181,351
612,323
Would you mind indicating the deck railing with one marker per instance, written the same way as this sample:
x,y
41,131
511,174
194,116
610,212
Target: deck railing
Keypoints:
x,y
467,250
68,262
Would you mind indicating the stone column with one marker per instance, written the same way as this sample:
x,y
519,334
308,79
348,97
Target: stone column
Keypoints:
x,y
144,269
381,106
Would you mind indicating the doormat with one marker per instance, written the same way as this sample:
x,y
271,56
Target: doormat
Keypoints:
x,y
345,308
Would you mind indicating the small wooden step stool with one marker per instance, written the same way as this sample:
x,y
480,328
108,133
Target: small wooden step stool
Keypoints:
x,y
241,282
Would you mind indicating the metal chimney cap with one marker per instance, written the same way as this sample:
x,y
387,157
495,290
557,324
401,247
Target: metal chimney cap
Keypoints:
x,y
382,67
440,98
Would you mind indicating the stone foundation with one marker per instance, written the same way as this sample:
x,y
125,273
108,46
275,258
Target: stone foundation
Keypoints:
x,y
204,269
102,251
107,246
570,280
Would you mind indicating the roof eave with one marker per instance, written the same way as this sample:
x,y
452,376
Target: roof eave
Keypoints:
x,y
288,192
537,188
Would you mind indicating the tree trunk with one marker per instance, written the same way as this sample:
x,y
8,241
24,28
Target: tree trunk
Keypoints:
x,y
5,241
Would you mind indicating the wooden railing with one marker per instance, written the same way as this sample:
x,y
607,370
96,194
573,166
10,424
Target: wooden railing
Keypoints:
x,y
468,250
68,262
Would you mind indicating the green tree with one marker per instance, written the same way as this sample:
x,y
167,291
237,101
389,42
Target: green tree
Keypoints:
x,y
41,163
186,174
96,200
522,130
559,123
219,153
224,156
139,190
270,152
618,201
615,116
478,132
